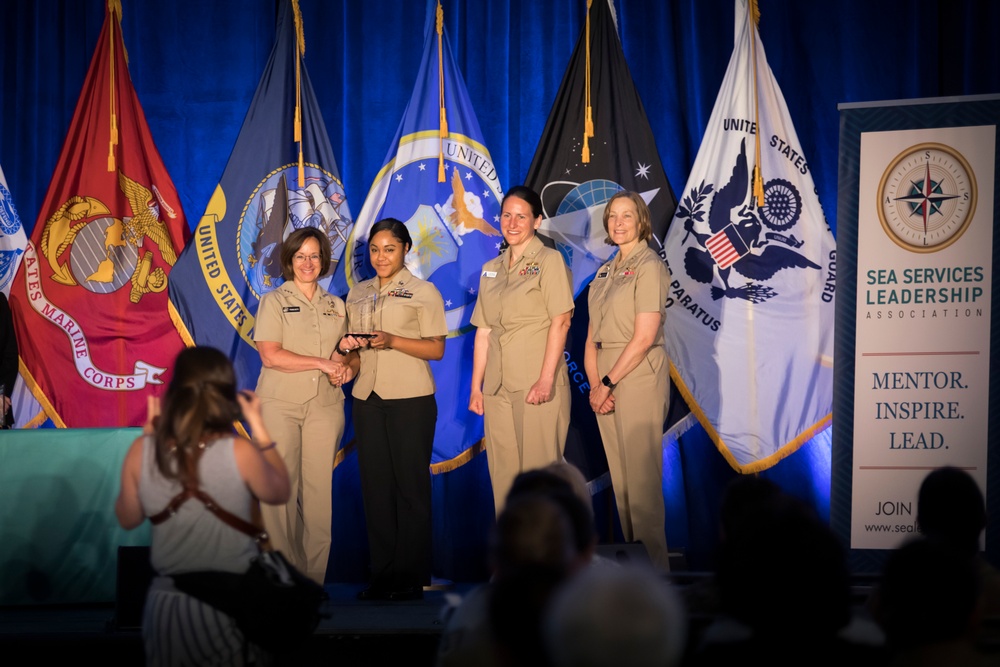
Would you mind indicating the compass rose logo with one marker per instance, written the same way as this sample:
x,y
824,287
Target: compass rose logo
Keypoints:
x,y
927,197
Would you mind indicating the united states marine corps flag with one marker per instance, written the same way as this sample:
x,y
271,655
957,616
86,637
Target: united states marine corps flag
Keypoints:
x,y
750,314
597,141
281,176
440,181
90,297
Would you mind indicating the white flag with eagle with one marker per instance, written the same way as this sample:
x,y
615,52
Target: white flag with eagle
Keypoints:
x,y
750,313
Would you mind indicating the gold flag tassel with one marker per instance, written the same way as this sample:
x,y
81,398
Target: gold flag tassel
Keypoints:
x,y
300,53
115,8
588,123
758,178
443,133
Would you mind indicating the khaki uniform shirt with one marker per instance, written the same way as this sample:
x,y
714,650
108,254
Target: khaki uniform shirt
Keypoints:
x,y
638,285
409,307
311,328
518,304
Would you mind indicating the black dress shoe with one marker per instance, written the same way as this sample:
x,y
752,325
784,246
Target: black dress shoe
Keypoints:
x,y
404,594
373,594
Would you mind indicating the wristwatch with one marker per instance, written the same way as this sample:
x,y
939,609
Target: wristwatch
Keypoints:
x,y
606,381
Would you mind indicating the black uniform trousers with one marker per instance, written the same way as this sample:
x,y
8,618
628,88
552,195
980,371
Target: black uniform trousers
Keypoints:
x,y
395,439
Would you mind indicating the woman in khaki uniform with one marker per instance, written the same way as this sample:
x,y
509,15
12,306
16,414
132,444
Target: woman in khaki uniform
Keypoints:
x,y
395,412
626,364
519,379
297,329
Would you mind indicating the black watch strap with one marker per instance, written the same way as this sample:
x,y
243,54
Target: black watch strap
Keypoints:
x,y
606,381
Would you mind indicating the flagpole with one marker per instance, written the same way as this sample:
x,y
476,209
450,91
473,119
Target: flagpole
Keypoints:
x,y
115,8
300,52
443,130
753,20
588,123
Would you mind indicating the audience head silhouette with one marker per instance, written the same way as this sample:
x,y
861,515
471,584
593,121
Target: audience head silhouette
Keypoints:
x,y
616,617
781,569
534,552
928,595
950,507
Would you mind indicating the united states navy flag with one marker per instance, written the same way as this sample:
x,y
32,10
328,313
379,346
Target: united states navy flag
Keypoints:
x,y
27,411
439,179
597,141
281,175
750,320
12,237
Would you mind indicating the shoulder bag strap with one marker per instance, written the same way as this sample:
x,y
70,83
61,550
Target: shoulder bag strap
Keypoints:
x,y
259,535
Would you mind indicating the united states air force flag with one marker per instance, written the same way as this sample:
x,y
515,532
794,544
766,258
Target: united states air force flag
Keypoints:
x,y
444,187
269,188
751,310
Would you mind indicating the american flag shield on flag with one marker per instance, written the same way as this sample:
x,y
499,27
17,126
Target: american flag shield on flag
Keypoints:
x,y
750,314
726,247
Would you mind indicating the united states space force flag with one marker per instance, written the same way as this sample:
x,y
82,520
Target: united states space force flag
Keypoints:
x,y
440,181
751,307
578,166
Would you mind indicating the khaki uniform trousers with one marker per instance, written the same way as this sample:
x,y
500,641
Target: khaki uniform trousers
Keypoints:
x,y
307,435
633,443
522,437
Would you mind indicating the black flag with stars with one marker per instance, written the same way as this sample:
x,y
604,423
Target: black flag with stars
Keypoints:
x,y
576,172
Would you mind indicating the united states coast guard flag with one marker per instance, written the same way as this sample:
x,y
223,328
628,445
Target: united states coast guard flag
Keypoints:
x,y
440,181
273,184
750,317
89,299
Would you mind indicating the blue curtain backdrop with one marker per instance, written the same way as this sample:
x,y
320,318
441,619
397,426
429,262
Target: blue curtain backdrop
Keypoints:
x,y
195,66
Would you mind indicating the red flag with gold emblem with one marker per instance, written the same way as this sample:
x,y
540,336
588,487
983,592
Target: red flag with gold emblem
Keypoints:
x,y
90,298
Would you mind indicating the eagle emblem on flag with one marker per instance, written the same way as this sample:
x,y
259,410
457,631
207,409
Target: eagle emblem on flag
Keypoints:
x,y
737,240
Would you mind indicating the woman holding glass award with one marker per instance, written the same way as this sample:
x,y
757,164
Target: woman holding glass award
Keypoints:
x,y
297,329
397,326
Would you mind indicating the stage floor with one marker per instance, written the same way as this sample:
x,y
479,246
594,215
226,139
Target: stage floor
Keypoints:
x,y
353,633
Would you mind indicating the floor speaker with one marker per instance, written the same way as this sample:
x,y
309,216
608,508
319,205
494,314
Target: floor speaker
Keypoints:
x,y
633,553
133,575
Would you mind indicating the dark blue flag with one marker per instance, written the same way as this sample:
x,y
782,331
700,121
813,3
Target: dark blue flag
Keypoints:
x,y
272,185
576,171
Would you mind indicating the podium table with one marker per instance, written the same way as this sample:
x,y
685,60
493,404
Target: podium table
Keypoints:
x,y
58,530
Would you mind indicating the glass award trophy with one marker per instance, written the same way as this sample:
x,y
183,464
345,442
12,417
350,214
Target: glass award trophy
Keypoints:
x,y
361,314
